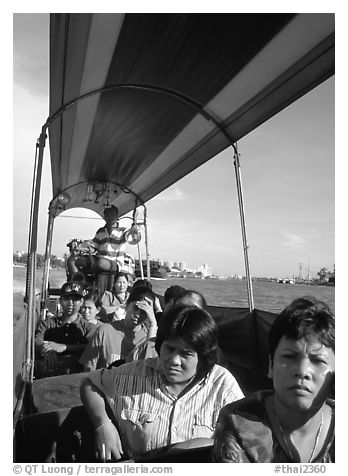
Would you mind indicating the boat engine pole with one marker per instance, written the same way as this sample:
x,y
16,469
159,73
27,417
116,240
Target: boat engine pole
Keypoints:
x,y
243,227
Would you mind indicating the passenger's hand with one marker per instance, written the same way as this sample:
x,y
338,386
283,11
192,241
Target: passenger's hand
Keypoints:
x,y
50,361
49,346
147,306
157,305
108,444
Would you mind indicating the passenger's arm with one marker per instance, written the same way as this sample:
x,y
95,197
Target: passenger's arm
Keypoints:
x,y
123,237
157,305
90,356
110,310
142,351
109,304
90,330
49,346
40,336
96,240
107,440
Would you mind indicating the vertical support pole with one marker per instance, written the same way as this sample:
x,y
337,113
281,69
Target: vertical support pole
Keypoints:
x,y
243,227
140,262
148,270
47,264
28,367
28,273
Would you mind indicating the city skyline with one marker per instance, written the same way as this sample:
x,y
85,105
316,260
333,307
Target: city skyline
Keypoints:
x,y
304,272
287,174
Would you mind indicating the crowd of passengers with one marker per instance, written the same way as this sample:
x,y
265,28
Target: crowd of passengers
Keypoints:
x,y
157,383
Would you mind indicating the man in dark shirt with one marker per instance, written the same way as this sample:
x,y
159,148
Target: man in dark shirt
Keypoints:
x,y
60,341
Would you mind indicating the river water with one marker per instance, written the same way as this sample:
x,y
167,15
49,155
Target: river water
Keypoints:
x,y
268,296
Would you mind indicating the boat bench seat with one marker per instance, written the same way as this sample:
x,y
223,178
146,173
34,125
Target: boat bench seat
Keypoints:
x,y
67,435
63,435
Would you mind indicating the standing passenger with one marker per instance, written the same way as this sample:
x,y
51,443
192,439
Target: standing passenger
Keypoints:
x,y
109,243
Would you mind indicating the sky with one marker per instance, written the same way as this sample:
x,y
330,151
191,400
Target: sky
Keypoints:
x,y
288,175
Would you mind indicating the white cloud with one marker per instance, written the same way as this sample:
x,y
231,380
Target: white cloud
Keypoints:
x,y
294,241
171,195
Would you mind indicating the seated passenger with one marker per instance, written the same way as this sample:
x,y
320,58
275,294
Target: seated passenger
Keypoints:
x,y
58,338
157,304
170,294
174,296
113,341
190,297
142,282
173,399
91,307
294,423
114,302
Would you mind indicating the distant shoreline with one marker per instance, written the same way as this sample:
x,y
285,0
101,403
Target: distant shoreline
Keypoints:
x,y
268,295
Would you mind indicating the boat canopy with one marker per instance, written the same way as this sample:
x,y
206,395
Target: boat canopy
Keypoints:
x,y
138,101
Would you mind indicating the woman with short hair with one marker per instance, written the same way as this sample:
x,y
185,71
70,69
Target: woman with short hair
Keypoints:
x,y
159,402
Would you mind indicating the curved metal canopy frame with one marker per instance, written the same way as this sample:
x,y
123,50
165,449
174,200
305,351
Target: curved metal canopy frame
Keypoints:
x,y
210,116
182,97
30,286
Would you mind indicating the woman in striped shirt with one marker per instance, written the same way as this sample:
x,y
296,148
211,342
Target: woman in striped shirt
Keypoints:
x,y
160,402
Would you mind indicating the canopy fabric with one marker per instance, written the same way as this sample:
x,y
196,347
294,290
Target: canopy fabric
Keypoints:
x,y
174,83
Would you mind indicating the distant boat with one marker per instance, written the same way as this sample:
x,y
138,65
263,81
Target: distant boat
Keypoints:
x,y
157,271
286,281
